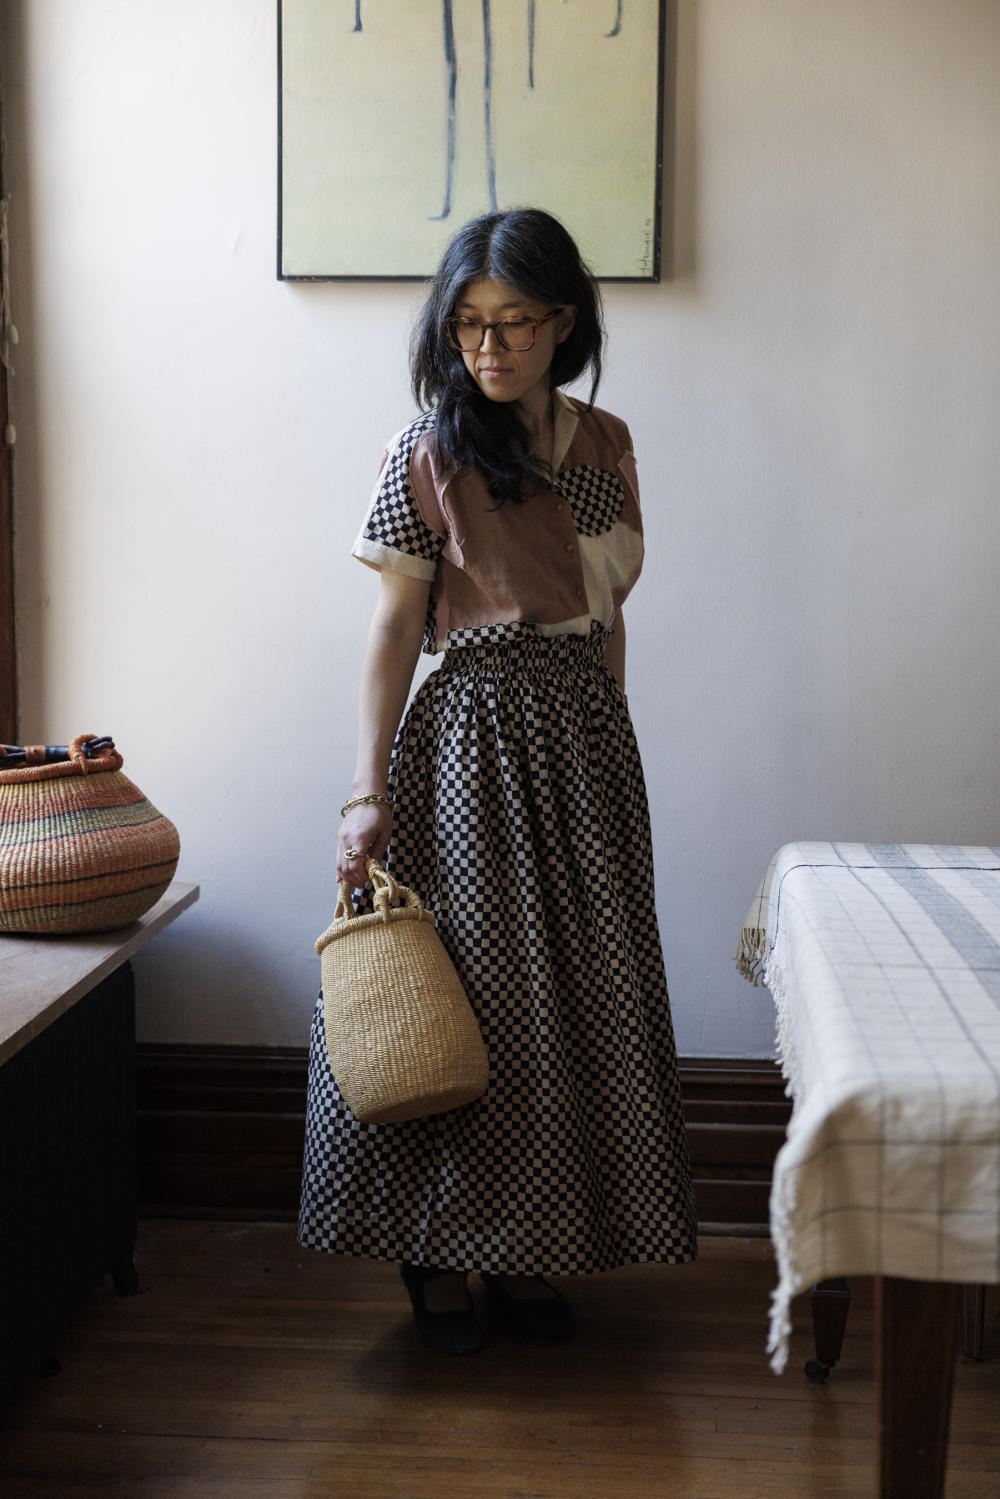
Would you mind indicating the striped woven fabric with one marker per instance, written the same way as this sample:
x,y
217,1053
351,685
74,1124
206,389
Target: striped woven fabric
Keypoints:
x,y
79,852
884,963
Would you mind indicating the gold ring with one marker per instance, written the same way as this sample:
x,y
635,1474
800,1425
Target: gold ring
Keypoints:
x,y
352,853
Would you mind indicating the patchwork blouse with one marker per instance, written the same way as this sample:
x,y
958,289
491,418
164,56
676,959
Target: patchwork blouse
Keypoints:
x,y
566,558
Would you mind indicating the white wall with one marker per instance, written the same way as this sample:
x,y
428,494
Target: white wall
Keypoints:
x,y
813,396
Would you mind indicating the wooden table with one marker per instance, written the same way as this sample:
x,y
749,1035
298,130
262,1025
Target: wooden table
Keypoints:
x,y
67,1126
884,963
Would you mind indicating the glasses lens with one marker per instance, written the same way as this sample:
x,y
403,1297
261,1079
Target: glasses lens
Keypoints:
x,y
465,333
516,334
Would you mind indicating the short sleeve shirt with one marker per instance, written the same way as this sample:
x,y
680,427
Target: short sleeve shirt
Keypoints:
x,y
563,559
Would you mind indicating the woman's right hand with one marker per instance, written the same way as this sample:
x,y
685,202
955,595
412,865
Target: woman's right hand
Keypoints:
x,y
365,831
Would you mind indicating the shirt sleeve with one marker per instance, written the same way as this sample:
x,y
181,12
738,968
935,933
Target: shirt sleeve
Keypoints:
x,y
395,532
630,476
626,563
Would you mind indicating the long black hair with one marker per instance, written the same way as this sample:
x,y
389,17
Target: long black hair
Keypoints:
x,y
529,250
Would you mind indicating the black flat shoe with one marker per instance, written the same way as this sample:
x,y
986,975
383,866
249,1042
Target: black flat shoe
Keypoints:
x,y
451,1332
540,1316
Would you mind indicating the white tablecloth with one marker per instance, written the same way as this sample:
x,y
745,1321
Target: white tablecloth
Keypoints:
x,y
884,964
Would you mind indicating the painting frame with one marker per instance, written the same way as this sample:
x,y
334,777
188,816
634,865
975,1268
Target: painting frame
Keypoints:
x,y
618,225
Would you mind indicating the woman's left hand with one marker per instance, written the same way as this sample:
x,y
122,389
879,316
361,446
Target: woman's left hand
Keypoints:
x,y
364,834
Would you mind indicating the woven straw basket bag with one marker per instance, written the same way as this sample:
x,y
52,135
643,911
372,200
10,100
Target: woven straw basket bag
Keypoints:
x,y
81,848
401,1035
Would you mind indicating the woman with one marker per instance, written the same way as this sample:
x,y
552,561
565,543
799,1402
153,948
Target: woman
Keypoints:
x,y
505,527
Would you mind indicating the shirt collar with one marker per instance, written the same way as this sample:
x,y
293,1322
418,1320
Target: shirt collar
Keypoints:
x,y
565,419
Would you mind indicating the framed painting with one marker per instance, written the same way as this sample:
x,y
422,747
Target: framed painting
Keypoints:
x,y
399,120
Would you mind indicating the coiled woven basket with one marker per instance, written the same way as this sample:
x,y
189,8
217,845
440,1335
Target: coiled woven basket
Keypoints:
x,y
402,1038
81,848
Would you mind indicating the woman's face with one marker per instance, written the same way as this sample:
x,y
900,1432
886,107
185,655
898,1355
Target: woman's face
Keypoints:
x,y
503,374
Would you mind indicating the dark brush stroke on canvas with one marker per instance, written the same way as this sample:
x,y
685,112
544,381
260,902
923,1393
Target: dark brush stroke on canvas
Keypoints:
x,y
451,72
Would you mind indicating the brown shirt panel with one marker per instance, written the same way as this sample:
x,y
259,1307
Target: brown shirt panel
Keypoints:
x,y
567,556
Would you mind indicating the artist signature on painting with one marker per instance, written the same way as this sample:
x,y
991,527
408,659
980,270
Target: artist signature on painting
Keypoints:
x,y
646,258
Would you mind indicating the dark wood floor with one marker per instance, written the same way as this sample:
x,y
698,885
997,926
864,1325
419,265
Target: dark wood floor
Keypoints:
x,y
250,1369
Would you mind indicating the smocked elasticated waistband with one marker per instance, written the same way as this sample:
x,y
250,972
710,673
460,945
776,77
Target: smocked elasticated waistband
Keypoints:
x,y
527,648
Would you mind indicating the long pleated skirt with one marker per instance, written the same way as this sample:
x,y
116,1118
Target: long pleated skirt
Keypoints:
x,y
522,823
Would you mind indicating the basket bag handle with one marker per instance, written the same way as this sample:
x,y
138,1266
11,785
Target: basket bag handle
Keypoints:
x,y
388,891
87,753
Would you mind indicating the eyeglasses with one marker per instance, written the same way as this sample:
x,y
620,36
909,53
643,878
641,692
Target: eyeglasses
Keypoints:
x,y
466,334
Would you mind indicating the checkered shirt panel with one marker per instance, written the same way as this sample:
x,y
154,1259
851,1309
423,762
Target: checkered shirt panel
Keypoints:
x,y
595,498
393,518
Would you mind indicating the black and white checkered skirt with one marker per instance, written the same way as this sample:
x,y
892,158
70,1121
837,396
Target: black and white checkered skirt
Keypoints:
x,y
522,823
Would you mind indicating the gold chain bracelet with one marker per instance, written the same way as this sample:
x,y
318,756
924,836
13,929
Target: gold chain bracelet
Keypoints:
x,y
378,797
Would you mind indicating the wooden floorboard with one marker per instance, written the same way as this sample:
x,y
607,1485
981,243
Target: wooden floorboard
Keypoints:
x,y
248,1368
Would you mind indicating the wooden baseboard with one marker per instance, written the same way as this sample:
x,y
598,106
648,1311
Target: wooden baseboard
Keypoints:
x,y
221,1131
736,1114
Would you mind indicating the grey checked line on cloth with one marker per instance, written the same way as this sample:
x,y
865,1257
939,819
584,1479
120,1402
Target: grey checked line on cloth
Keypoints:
x,y
884,964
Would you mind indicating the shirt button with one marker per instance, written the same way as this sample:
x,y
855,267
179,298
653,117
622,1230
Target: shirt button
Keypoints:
x,y
570,547
578,592
561,505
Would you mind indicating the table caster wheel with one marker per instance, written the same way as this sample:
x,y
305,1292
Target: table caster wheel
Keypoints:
x,y
817,1370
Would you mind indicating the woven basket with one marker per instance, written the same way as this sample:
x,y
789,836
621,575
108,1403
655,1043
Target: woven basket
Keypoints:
x,y
402,1038
81,849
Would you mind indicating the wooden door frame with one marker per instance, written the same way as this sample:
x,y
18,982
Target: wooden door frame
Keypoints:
x,y
8,641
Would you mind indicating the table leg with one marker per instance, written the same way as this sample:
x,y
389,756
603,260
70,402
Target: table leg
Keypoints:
x,y
973,1321
916,1337
830,1300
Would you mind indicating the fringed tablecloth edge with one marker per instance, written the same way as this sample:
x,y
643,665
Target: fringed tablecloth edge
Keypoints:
x,y
761,959
752,952
783,1194
751,955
